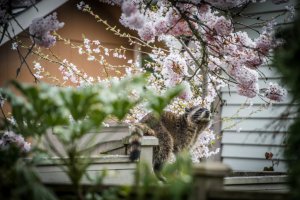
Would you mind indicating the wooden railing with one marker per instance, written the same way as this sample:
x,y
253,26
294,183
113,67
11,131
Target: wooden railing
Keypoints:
x,y
209,185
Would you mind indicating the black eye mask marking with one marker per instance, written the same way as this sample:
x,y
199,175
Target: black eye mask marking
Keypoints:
x,y
199,114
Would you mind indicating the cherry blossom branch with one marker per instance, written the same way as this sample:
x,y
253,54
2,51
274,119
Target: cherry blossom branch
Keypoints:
x,y
132,39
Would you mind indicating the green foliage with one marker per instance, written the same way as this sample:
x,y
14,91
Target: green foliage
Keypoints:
x,y
18,178
179,176
286,59
70,113
157,102
42,107
147,186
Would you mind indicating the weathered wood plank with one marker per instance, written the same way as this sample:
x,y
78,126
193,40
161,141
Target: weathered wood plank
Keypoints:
x,y
254,180
246,195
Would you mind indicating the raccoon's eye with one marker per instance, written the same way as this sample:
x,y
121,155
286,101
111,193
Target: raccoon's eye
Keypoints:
x,y
187,110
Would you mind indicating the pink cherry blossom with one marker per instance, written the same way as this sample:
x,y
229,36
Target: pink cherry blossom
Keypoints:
x,y
135,21
147,33
181,28
174,69
253,60
40,30
161,26
247,81
264,43
223,26
275,92
129,7
10,138
250,90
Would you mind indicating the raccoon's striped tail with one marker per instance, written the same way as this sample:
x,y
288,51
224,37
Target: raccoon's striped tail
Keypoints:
x,y
137,131
135,142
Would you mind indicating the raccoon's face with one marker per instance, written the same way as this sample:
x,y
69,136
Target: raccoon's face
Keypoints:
x,y
197,115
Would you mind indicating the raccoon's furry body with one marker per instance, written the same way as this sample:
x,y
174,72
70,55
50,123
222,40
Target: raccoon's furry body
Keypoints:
x,y
174,132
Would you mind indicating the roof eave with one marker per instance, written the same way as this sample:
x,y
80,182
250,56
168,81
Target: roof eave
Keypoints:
x,y
23,20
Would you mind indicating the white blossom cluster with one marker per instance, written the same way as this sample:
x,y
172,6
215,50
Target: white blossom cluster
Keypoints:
x,y
174,69
95,51
70,72
40,30
38,70
10,138
202,147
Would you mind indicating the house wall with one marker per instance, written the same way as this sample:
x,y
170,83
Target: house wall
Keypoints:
x,y
77,24
250,127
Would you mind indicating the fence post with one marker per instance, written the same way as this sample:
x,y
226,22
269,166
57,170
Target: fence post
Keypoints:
x,y
208,176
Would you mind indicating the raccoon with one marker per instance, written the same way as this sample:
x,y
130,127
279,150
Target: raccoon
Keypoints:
x,y
175,133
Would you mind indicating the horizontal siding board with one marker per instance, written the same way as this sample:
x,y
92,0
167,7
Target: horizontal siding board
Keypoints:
x,y
266,7
254,138
254,31
241,164
267,124
254,22
253,151
273,187
269,71
256,111
234,98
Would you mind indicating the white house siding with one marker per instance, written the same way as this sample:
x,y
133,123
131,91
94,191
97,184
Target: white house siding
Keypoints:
x,y
249,127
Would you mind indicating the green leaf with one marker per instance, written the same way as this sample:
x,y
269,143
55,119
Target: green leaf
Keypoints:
x,y
158,102
121,108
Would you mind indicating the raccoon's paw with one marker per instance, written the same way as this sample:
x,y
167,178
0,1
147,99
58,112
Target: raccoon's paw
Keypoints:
x,y
146,130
